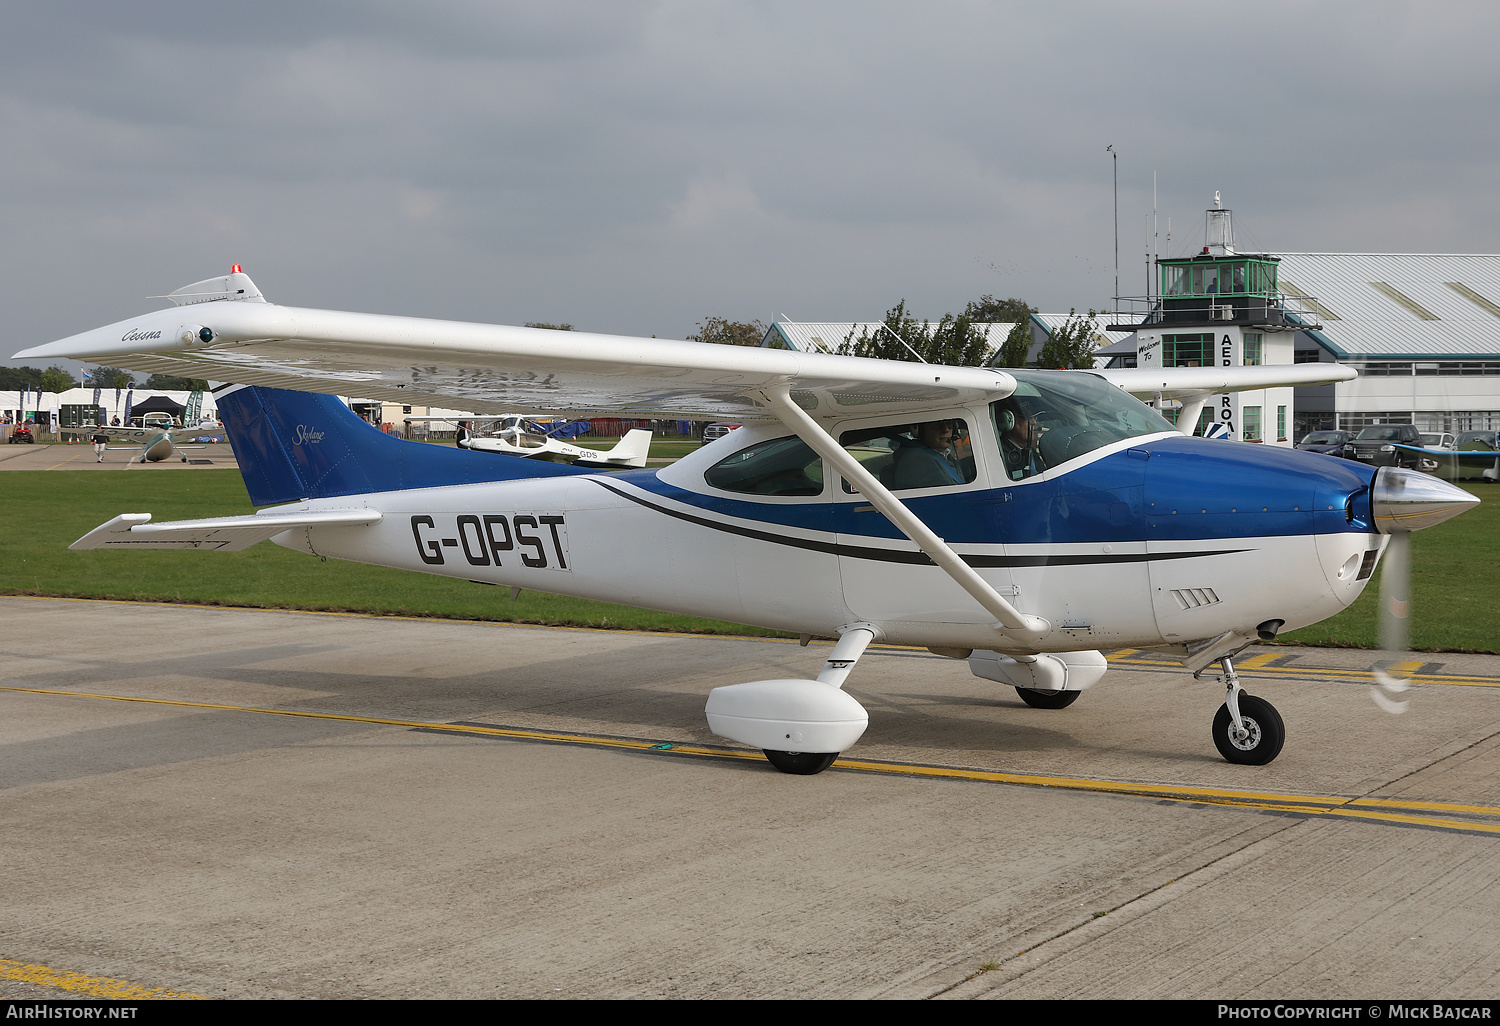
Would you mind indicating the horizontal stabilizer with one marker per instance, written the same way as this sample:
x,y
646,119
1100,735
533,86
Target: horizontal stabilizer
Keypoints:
x,y
223,534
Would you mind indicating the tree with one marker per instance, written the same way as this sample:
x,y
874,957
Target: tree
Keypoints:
x,y
952,341
544,324
13,379
899,338
167,383
1070,347
55,379
1017,345
989,310
724,332
108,377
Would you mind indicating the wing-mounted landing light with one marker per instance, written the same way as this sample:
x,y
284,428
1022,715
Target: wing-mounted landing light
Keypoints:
x,y
1403,501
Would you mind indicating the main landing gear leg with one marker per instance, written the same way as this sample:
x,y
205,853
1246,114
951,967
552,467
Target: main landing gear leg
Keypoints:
x,y
1247,730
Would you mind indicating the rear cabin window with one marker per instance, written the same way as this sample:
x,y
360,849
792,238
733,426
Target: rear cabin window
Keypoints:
x,y
782,466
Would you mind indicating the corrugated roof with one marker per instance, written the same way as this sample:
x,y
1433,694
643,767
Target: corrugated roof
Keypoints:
x,y
1400,306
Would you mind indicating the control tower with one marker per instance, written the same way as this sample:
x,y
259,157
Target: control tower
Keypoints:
x,y
1221,307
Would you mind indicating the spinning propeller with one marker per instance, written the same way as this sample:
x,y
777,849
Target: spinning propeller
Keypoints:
x,y
1403,501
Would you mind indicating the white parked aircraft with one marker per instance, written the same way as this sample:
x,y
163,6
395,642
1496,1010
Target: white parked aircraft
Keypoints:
x,y
154,441
513,436
1022,520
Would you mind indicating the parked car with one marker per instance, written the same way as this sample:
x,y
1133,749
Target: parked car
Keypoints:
x,y
1438,440
1378,446
22,435
1329,442
716,431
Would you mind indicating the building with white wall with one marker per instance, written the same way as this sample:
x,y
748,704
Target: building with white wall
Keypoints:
x,y
1422,329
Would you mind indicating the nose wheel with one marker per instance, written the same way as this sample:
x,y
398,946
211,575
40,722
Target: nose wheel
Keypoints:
x,y
1261,735
1247,730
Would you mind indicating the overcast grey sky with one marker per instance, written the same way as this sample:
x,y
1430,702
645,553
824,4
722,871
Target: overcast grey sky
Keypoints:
x,y
636,167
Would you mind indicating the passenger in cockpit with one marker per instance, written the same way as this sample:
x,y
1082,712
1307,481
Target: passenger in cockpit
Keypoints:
x,y
927,461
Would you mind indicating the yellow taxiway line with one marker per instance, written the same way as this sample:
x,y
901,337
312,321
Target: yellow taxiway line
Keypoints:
x,y
103,987
1388,810
70,459
1259,665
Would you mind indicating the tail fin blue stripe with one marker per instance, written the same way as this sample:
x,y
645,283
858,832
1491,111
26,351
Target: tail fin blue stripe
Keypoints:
x,y
299,445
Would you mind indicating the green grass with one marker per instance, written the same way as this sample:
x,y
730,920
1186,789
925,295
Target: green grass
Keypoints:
x,y
45,511
1455,581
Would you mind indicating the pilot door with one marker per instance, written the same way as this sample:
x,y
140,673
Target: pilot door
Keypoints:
x,y
932,468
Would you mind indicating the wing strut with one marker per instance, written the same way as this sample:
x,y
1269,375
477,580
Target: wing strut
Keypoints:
x,y
1192,408
779,401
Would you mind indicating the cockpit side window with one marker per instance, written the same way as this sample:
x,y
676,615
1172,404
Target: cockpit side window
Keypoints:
x,y
1057,416
925,454
781,466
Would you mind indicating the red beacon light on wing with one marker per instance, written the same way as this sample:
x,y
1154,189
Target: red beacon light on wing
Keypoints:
x,y
235,269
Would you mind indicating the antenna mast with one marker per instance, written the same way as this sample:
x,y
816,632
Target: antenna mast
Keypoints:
x,y
1115,157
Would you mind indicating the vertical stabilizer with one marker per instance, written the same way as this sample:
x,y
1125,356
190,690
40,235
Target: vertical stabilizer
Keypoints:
x,y
300,445
632,450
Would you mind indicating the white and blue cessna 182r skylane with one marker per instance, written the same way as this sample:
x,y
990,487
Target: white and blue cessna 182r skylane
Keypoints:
x,y
1022,520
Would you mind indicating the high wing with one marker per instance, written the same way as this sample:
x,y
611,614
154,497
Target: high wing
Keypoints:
x,y
1194,383
222,534
1192,386
237,336
496,369
133,434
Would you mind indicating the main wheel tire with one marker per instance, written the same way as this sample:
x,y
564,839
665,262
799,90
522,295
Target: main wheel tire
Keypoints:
x,y
803,764
1048,699
1267,732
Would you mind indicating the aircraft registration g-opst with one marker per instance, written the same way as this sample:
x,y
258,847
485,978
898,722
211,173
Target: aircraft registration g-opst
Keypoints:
x,y
1022,520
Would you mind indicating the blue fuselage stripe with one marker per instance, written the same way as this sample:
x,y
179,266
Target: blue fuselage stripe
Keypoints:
x,y
977,560
1171,489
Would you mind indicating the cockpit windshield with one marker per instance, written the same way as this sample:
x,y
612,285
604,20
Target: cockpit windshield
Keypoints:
x,y
1054,417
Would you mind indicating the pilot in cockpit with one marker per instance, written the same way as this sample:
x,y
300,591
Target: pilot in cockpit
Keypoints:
x,y
1020,436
